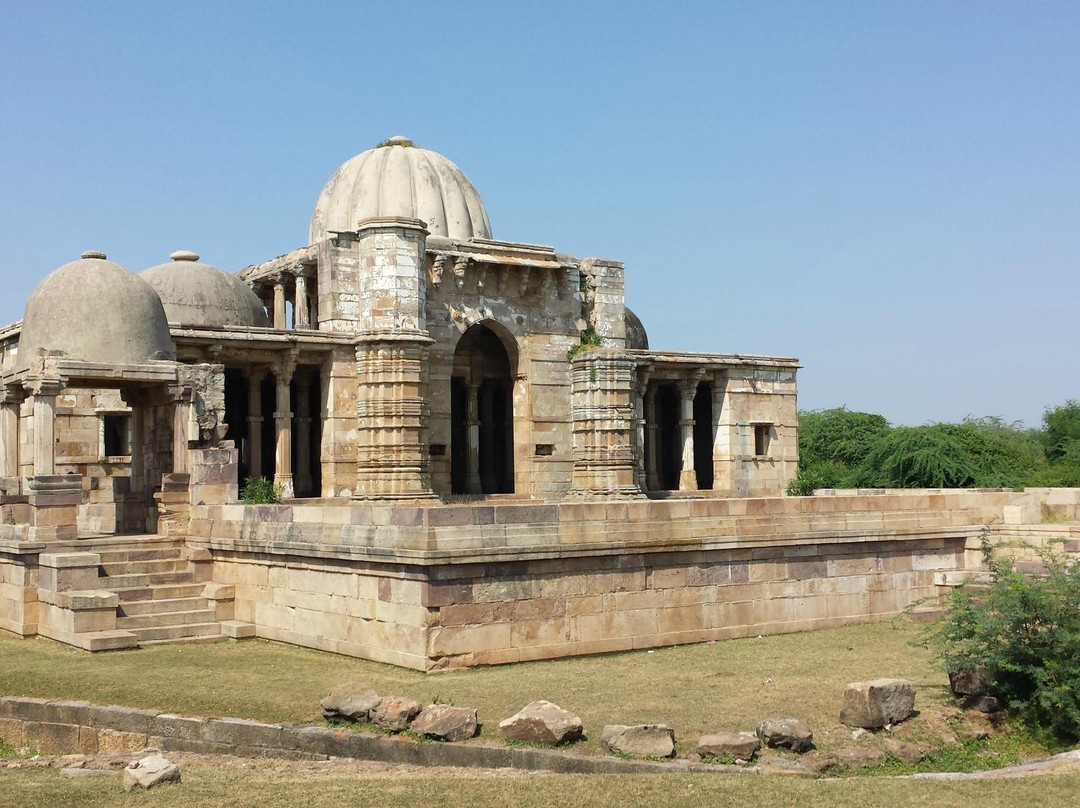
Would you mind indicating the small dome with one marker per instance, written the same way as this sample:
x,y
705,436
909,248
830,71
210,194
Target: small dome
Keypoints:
x,y
636,337
93,310
199,294
399,179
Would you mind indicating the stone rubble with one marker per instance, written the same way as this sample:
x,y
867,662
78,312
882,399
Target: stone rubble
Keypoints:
x,y
150,772
639,740
395,712
350,701
445,723
874,704
739,745
544,723
785,732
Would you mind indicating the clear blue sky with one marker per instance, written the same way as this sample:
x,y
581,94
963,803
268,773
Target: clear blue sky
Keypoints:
x,y
888,191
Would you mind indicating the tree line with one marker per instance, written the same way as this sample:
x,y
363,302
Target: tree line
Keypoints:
x,y
841,448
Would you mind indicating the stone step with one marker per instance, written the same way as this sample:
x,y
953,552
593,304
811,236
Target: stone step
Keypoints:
x,y
131,608
163,633
163,619
201,640
162,553
153,579
142,567
159,592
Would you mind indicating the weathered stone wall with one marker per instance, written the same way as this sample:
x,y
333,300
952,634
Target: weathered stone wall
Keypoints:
x,y
445,586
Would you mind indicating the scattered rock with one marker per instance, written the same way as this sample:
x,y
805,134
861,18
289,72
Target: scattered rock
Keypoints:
x,y
640,740
874,704
739,745
983,703
969,682
351,701
903,751
820,762
783,767
859,732
446,723
395,712
786,732
542,722
859,757
150,772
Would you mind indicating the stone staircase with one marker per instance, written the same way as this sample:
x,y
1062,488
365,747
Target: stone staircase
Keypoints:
x,y
160,598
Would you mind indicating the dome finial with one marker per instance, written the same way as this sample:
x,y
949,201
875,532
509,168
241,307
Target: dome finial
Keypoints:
x,y
93,254
184,255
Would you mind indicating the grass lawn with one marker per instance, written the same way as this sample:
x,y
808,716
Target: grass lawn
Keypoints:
x,y
730,685
217,787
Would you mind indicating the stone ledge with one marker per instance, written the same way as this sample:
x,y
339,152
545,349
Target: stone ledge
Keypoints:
x,y
69,727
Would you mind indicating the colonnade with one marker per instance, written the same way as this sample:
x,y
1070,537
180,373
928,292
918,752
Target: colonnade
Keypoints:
x,y
305,313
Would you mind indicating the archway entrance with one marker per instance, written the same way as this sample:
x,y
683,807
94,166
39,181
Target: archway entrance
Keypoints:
x,y
481,415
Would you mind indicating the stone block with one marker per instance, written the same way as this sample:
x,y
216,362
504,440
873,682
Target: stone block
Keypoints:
x,y
642,740
24,708
51,739
168,725
874,704
125,719
242,732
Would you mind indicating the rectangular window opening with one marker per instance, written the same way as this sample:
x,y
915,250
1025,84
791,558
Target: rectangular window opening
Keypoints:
x,y
117,440
761,439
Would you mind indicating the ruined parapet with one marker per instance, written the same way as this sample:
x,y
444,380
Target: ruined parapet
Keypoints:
x,y
603,296
602,404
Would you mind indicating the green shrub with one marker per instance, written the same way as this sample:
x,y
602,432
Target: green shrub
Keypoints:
x,y
1024,632
260,491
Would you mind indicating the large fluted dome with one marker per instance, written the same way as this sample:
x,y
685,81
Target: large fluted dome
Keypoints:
x,y
199,294
93,310
399,179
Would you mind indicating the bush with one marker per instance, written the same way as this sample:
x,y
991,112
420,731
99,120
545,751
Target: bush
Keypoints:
x,y
1024,632
260,491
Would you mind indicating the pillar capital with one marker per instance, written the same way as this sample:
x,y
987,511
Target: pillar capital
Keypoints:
x,y
12,394
50,386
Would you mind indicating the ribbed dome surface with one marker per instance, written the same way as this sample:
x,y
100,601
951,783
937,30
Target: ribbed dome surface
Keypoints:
x,y
636,336
95,311
401,180
199,294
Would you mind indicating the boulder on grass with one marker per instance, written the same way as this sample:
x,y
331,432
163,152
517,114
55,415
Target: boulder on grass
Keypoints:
x,y
395,712
739,745
639,740
542,722
350,701
968,682
786,732
446,723
149,772
872,705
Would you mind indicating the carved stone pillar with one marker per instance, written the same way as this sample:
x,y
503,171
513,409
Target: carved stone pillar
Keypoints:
x,y
473,483
301,304
602,406
183,396
43,393
392,410
283,477
302,422
279,303
135,400
652,432
687,390
10,399
255,421
641,386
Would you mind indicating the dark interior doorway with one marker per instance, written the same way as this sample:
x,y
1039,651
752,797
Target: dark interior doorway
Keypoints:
x,y
703,436
669,437
481,415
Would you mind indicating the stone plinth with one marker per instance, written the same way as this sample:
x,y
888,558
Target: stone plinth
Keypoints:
x,y
54,507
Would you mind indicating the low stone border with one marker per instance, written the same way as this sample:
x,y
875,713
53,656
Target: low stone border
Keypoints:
x,y
65,727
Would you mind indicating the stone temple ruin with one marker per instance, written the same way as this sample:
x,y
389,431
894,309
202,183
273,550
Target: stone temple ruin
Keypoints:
x,y
480,457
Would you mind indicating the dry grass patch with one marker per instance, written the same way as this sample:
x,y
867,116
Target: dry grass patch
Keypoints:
x,y
729,685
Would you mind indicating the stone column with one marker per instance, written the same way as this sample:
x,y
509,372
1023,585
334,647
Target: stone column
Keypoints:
x,y
138,444
641,386
283,373
255,421
602,407
392,361
473,483
43,393
687,391
302,422
182,396
301,304
652,428
279,303
10,399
